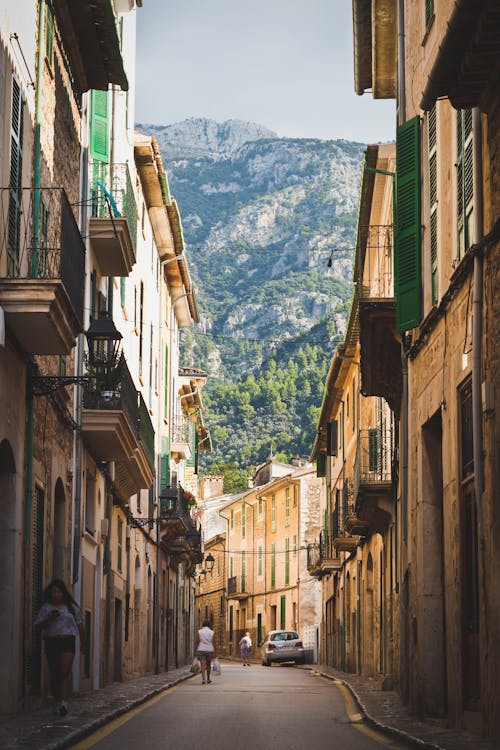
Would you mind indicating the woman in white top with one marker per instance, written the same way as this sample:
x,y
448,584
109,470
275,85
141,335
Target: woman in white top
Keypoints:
x,y
60,620
205,650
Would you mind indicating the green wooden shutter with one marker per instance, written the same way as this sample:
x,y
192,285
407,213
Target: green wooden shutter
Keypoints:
x,y
433,202
282,612
465,180
407,260
321,464
373,450
15,180
192,442
99,126
164,463
287,562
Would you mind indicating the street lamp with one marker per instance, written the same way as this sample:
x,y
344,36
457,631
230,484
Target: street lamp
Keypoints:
x,y
209,562
168,501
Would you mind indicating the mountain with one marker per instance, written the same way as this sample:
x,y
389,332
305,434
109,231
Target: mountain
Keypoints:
x,y
262,216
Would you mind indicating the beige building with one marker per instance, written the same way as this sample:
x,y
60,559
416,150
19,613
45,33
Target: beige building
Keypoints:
x,y
355,451
99,435
264,560
428,350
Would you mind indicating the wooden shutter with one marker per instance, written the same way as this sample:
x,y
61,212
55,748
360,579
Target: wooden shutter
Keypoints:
x,y
321,464
433,202
465,180
407,259
15,179
164,463
99,126
282,612
332,438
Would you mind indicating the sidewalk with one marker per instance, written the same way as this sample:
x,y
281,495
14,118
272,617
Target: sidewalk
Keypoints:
x,y
385,711
41,730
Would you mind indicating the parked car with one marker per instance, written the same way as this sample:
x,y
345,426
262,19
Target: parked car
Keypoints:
x,y
282,646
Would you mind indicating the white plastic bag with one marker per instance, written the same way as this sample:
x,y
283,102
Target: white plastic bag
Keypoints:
x,y
216,667
195,666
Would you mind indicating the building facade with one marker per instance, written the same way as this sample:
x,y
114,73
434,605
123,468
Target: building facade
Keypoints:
x,y
91,241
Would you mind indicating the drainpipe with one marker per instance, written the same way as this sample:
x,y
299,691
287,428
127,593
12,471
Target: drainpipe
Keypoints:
x,y
36,212
477,309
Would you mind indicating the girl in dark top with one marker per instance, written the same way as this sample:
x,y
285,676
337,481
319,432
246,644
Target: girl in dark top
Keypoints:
x,y
60,620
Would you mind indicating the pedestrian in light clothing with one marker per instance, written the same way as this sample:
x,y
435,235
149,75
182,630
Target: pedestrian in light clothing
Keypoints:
x,y
60,620
205,650
245,648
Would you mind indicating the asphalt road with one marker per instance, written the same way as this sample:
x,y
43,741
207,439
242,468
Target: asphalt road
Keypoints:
x,y
246,708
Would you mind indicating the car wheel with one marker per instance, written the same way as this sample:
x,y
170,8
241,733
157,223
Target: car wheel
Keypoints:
x,y
268,662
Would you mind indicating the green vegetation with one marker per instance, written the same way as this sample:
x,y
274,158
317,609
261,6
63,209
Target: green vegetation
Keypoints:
x,y
260,225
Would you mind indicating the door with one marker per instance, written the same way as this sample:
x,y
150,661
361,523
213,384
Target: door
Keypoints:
x,y
470,603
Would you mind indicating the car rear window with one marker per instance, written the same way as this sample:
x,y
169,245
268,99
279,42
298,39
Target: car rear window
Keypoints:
x,y
289,635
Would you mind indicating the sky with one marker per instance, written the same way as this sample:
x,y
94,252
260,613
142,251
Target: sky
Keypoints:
x,y
285,64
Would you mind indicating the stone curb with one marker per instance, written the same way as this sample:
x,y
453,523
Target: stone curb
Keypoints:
x,y
399,734
85,730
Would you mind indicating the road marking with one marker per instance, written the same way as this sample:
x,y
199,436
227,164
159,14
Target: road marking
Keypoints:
x,y
358,720
103,732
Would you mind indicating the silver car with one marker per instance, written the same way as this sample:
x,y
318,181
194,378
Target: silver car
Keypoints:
x,y
282,646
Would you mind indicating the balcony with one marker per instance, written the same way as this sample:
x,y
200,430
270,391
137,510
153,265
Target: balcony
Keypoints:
x,y
236,586
177,524
373,488
113,224
180,447
345,522
321,557
380,349
116,427
42,269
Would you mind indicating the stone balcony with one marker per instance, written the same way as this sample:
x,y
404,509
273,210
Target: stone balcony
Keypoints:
x,y
42,269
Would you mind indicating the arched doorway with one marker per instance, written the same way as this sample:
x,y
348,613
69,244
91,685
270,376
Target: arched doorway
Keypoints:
x,y
11,591
60,538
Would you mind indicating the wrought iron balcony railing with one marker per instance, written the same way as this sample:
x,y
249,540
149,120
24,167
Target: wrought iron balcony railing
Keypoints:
x,y
374,456
40,239
236,585
374,272
113,195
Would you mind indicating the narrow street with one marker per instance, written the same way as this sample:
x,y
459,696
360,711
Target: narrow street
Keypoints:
x,y
280,707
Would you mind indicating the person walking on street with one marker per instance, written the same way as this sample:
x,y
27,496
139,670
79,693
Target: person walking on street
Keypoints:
x,y
205,650
245,648
60,620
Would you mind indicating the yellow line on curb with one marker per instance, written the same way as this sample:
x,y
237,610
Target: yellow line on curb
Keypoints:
x,y
358,720
113,725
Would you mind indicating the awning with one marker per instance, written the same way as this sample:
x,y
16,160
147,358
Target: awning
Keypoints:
x,y
90,38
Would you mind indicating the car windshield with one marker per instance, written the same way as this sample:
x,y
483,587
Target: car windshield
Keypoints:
x,y
289,635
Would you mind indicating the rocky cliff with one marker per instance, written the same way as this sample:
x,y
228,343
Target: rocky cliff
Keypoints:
x,y
262,216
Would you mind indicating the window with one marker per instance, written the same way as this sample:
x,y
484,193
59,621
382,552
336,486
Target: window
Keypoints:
x,y
222,606
295,545
466,441
273,566
287,506
259,561
261,507
231,516
287,562
433,200
273,513
119,536
231,567
90,504
429,11
465,181
141,322
243,522
243,571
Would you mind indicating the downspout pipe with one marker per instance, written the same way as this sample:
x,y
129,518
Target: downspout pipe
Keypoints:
x,y
477,322
37,158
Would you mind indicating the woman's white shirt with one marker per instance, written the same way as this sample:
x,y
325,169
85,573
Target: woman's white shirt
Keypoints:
x,y
64,625
206,639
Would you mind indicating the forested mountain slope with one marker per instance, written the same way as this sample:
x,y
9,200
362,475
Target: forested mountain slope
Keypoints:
x,y
262,215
